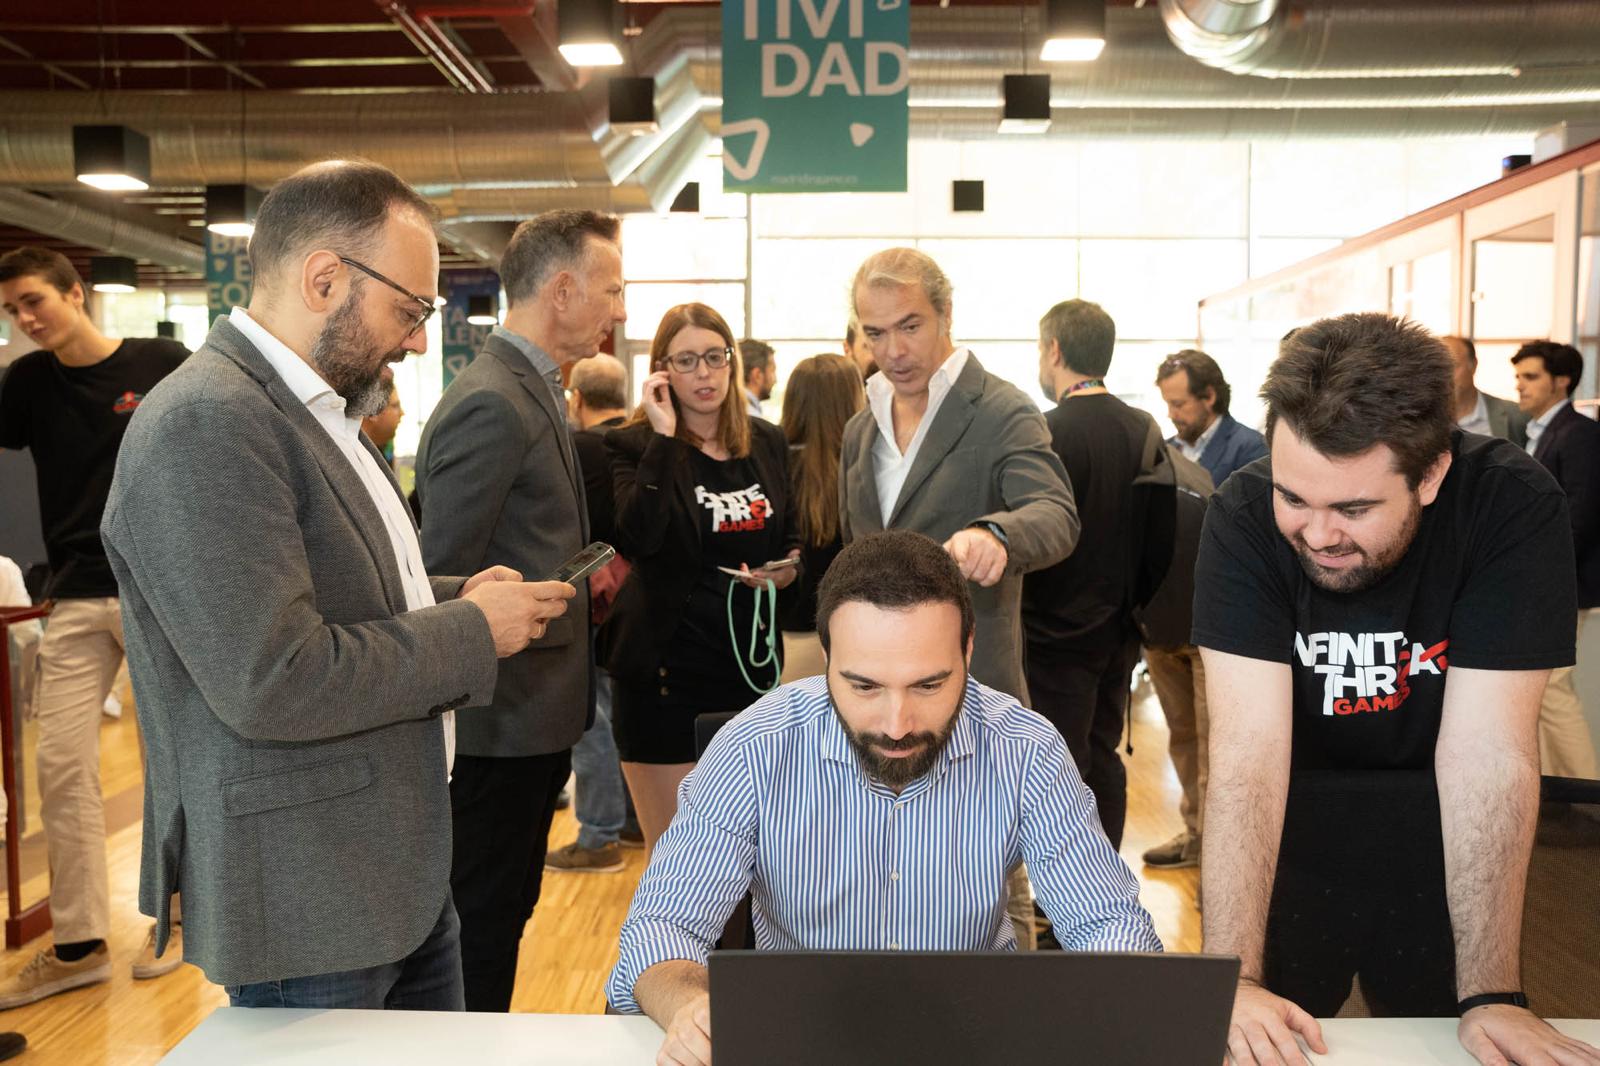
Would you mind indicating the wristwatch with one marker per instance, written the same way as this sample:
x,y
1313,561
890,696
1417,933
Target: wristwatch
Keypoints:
x,y
994,527
1485,999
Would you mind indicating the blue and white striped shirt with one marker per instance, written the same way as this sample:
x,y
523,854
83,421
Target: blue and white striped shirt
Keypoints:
x,y
780,807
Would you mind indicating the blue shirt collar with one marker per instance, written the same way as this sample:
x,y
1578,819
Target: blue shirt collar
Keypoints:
x,y
536,355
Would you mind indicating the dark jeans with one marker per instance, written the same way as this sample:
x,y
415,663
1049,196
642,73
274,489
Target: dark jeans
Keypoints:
x,y
427,979
1084,693
500,811
1360,889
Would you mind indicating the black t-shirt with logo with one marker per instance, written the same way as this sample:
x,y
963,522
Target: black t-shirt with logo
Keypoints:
x,y
734,513
73,419
1486,585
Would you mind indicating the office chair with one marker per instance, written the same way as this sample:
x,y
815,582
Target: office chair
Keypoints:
x,y
1561,914
740,932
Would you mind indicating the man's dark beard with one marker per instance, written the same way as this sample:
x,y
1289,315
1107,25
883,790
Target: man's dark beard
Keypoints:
x,y
342,354
898,773
1372,569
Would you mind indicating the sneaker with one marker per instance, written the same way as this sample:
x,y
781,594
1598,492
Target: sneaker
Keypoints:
x,y
573,859
631,836
46,975
1181,851
148,965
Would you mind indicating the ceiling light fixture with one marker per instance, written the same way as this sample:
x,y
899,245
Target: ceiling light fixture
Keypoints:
x,y
481,311
111,158
231,209
113,273
1074,31
1027,103
586,32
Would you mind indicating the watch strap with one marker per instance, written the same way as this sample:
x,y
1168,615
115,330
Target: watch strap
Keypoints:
x,y
1485,999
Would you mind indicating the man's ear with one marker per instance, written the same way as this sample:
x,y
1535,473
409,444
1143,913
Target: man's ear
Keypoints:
x,y
562,290
1428,488
321,289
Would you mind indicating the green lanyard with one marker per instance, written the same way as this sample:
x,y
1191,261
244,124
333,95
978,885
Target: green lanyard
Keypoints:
x,y
770,656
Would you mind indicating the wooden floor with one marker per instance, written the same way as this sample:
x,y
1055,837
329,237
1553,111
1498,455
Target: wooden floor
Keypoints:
x,y
569,949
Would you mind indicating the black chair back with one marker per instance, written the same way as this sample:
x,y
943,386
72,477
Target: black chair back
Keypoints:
x,y
1561,914
740,932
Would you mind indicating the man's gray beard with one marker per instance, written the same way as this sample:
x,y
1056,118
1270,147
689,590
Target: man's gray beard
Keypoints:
x,y
336,354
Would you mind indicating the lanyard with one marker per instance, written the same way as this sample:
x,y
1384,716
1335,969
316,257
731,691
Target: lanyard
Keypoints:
x,y
1091,383
770,656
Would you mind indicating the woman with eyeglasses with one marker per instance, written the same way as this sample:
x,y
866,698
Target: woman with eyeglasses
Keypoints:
x,y
702,510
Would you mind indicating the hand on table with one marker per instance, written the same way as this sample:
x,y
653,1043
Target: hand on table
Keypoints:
x,y
688,1040
1262,1030
979,554
1500,1034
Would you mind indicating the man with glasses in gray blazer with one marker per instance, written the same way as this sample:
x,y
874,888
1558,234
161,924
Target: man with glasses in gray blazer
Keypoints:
x,y
294,665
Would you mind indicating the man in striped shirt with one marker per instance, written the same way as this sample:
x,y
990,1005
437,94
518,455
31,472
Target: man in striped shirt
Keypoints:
x,y
876,808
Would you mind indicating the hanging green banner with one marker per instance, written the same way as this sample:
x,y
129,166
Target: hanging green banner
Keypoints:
x,y
227,274
815,95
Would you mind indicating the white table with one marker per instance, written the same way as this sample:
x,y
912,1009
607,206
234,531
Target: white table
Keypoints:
x,y
240,1037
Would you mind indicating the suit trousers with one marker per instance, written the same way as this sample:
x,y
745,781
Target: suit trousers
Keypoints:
x,y
78,660
1566,747
1084,693
500,812
1179,678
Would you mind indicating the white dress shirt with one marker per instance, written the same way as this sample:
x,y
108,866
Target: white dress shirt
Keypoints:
x,y
328,408
889,466
1537,427
1194,451
1478,420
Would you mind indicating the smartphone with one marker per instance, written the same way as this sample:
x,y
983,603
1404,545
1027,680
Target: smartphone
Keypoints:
x,y
584,563
776,564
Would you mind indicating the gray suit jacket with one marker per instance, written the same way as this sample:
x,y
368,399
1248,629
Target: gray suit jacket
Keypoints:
x,y
295,779
1506,420
986,458
499,485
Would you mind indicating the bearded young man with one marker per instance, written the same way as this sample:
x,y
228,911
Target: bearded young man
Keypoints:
x,y
919,786
1378,604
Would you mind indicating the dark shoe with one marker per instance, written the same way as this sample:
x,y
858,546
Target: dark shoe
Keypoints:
x,y
631,836
564,800
1178,853
575,860
12,1045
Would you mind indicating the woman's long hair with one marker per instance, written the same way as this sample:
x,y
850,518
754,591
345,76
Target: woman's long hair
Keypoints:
x,y
821,395
733,421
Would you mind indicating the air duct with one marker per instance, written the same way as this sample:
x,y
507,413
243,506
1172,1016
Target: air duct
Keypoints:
x,y
94,228
1386,38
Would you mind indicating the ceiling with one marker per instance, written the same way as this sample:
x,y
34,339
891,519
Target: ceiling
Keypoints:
x,y
469,99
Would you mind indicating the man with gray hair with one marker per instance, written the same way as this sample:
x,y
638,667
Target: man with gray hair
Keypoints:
x,y
499,485
293,669
949,450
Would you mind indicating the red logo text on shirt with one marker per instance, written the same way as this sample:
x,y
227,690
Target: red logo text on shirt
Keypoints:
x,y
127,402
741,511
1367,672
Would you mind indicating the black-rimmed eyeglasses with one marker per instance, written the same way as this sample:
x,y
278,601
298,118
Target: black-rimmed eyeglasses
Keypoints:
x,y
419,318
714,358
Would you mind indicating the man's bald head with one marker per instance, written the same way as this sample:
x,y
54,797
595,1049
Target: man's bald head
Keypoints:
x,y
599,388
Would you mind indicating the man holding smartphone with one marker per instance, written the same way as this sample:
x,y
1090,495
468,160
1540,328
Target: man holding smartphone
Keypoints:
x,y
499,484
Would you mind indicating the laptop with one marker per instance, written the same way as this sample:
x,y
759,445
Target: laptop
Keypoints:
x,y
938,1008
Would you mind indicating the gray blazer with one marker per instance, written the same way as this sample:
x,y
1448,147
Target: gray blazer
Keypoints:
x,y
295,779
499,485
986,458
1506,419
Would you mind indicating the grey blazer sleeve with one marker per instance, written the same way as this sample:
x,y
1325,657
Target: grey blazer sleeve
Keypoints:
x,y
472,459
231,586
847,459
1040,518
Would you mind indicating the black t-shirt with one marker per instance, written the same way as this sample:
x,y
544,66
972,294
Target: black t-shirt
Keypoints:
x,y
73,419
1486,584
734,516
1101,442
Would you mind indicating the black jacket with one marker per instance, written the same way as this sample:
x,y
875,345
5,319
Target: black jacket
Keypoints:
x,y
657,529
1570,449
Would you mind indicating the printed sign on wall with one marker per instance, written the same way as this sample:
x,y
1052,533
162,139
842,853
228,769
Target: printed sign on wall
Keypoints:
x,y
227,274
815,95
460,339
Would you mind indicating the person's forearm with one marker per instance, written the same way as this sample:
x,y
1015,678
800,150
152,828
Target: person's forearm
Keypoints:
x,y
1244,824
665,987
1488,802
